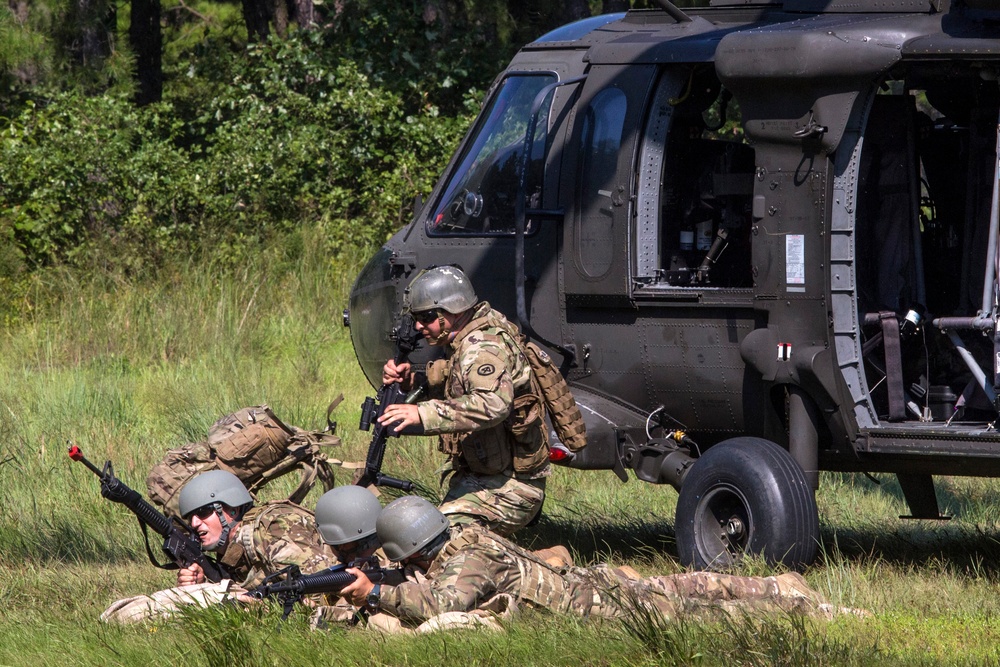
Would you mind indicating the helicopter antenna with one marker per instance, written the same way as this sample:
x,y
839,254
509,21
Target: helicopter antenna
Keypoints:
x,y
671,9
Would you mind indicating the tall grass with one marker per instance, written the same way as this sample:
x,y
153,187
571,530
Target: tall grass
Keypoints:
x,y
128,368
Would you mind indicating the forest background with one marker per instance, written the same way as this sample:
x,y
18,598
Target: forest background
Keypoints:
x,y
187,189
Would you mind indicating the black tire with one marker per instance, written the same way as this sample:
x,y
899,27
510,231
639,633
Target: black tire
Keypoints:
x,y
759,492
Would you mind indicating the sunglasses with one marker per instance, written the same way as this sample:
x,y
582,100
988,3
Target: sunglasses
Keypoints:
x,y
202,512
426,316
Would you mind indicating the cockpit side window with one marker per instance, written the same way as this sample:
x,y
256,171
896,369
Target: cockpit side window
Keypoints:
x,y
480,196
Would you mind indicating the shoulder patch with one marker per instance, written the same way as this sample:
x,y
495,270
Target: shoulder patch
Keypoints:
x,y
486,370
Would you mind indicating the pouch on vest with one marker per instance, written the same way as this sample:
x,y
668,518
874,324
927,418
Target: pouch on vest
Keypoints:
x,y
437,373
567,421
527,426
486,452
253,444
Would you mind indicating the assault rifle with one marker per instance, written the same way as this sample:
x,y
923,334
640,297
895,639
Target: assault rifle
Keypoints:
x,y
180,543
406,337
296,585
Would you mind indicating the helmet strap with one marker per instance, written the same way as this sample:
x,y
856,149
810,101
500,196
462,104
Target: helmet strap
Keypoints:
x,y
448,335
445,334
431,551
227,527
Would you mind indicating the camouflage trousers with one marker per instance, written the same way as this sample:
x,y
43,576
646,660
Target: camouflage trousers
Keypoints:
x,y
702,593
164,604
503,504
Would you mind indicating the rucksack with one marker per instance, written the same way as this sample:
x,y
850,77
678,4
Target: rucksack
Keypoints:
x,y
567,421
256,446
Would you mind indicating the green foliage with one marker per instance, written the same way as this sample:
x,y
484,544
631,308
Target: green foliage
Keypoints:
x,y
293,136
753,640
24,52
430,53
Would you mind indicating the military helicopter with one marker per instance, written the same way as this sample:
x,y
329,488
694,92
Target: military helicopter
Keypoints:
x,y
761,240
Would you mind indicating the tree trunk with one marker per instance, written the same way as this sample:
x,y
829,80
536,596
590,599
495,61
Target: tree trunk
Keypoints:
x,y
435,12
146,41
279,10
95,21
256,17
304,13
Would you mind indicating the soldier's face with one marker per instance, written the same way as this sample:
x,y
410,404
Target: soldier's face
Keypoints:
x,y
431,328
352,551
208,527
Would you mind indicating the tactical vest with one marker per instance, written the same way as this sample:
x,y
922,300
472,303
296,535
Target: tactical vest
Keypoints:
x,y
522,443
244,557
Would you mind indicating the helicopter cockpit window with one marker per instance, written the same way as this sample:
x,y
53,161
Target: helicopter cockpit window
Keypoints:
x,y
696,187
479,199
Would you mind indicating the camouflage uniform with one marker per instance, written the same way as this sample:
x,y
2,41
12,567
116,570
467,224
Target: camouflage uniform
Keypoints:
x,y
491,425
476,566
271,537
267,539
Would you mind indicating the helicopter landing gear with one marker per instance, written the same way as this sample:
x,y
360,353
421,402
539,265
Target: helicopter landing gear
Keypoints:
x,y
746,495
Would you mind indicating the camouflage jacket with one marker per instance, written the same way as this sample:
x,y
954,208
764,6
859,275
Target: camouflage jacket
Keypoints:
x,y
476,565
271,537
485,370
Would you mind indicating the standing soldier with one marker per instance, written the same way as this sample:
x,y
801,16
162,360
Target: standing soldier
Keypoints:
x,y
483,404
473,569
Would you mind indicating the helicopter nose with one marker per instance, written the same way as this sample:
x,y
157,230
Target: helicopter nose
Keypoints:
x,y
373,307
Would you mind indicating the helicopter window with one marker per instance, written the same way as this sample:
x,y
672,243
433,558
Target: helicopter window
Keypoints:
x,y
480,196
603,122
705,193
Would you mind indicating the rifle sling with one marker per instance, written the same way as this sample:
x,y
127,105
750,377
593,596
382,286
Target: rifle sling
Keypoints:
x,y
149,551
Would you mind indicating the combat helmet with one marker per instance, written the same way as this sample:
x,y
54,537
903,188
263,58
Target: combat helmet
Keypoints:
x,y
347,514
444,288
214,486
407,525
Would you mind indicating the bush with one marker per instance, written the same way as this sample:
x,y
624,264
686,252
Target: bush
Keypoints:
x,y
295,135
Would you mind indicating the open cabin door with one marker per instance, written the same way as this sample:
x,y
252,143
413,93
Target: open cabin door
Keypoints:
x,y
607,123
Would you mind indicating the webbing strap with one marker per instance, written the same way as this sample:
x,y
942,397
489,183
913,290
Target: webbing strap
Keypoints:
x,y
893,365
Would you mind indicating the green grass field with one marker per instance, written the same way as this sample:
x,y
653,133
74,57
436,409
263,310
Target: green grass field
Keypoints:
x,y
127,369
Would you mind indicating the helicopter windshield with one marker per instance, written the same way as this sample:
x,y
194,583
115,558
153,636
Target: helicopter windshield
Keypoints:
x,y
479,199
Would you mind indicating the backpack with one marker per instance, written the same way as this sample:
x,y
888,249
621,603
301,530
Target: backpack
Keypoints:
x,y
563,412
256,446
567,421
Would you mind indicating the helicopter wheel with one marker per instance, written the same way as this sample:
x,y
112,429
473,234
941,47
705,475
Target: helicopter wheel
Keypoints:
x,y
746,495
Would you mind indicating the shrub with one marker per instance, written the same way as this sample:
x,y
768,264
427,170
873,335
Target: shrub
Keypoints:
x,y
295,135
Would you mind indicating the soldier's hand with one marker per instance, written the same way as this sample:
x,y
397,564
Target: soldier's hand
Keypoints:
x,y
402,373
193,574
358,590
400,415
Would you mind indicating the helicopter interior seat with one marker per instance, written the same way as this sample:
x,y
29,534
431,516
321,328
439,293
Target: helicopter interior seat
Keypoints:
x,y
888,250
